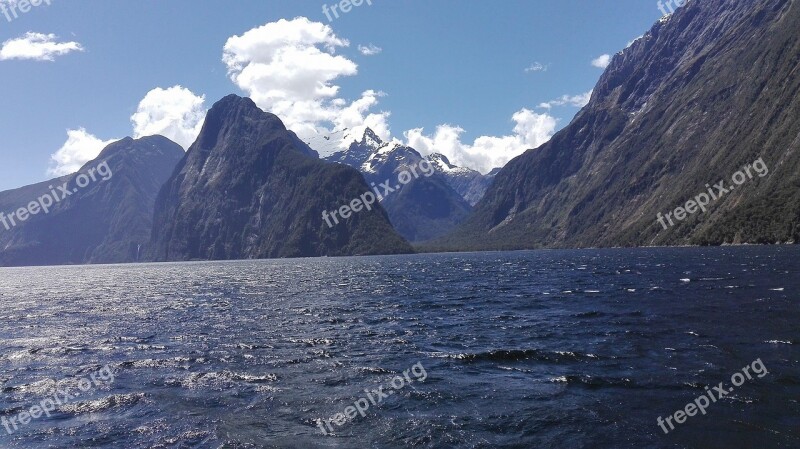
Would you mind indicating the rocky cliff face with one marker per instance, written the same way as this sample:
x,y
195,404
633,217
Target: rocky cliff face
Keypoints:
x,y
102,214
249,188
422,209
707,91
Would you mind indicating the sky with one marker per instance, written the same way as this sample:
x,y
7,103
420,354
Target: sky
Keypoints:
x,y
479,81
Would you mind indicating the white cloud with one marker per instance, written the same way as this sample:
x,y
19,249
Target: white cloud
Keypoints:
x,y
486,153
289,68
631,42
80,148
602,61
369,50
579,101
175,113
537,67
36,46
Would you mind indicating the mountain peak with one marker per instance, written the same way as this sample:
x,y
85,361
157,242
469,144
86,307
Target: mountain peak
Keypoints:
x,y
371,139
234,115
441,161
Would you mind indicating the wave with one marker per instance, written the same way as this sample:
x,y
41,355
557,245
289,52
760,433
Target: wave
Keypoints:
x,y
158,363
592,381
117,400
592,314
505,355
313,341
196,379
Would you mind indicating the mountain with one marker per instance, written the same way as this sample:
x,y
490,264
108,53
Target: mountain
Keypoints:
x,y
102,214
359,152
424,208
469,183
249,188
705,93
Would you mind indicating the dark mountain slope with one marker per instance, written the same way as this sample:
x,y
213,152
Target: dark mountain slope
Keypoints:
x,y
107,221
707,91
248,188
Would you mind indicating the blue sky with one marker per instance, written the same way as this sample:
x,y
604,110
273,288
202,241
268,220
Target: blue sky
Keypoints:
x,y
456,66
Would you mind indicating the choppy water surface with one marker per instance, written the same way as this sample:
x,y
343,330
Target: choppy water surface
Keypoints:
x,y
550,349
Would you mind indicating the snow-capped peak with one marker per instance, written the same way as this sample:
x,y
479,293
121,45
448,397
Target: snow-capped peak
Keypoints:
x,y
371,139
440,162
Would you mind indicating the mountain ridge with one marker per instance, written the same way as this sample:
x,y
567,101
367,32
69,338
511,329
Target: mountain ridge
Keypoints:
x,y
105,221
424,208
666,118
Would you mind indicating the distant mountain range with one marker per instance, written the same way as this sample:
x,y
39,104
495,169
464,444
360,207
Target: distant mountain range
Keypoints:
x,y
368,147
709,93
429,206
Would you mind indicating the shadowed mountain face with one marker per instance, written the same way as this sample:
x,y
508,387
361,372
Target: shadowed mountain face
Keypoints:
x,y
108,220
249,188
426,207
469,183
707,91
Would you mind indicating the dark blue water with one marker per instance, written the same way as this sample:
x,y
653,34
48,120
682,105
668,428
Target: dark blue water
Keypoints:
x,y
550,349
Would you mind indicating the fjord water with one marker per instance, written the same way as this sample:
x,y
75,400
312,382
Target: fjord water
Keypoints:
x,y
551,349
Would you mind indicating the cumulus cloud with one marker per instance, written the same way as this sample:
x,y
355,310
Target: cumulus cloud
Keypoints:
x,y
80,148
579,101
290,68
37,47
486,152
175,113
602,61
369,50
537,67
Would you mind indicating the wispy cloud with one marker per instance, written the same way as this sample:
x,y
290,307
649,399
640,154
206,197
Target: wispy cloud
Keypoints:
x,y
37,47
537,67
369,50
631,42
579,101
602,61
